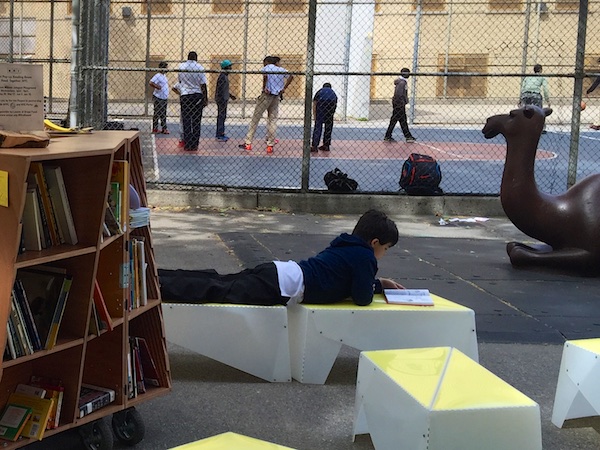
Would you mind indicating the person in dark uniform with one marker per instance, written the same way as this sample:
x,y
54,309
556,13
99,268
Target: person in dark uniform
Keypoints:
x,y
324,105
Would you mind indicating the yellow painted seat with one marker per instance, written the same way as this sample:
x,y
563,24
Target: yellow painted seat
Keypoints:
x,y
231,441
578,389
440,399
317,332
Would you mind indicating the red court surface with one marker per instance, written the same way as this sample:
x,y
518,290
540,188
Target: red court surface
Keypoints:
x,y
350,149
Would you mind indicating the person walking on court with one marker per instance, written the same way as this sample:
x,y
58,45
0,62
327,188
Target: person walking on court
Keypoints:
x,y
275,81
159,97
193,99
595,84
324,105
222,97
532,89
399,101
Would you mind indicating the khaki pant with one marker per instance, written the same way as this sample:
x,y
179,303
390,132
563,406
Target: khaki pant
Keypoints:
x,y
269,103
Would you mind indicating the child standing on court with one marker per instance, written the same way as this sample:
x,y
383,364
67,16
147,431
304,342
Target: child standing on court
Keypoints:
x,y
160,95
345,269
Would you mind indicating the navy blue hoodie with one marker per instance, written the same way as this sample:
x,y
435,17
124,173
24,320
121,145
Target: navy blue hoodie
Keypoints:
x,y
346,268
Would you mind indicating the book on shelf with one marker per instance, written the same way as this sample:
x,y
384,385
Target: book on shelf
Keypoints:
x,y
13,420
103,314
22,338
45,228
120,175
54,390
21,298
137,366
10,351
37,170
111,227
148,365
28,389
114,199
60,202
32,222
40,413
92,398
46,289
95,326
416,297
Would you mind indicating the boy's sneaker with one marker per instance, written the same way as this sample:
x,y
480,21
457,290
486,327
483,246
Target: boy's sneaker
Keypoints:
x,y
324,148
247,147
313,149
389,139
181,143
222,138
269,149
410,140
165,131
155,131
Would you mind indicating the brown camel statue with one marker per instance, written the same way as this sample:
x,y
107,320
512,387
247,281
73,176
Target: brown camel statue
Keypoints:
x,y
568,223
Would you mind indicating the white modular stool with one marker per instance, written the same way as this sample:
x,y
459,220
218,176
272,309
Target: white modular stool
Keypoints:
x,y
231,441
317,332
440,399
578,387
253,339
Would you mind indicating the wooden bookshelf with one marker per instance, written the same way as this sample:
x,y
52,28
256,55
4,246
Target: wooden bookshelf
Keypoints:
x,y
80,357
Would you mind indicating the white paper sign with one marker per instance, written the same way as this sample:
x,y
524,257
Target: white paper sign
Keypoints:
x,y
21,97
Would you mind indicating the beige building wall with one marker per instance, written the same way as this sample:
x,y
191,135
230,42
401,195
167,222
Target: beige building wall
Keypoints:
x,y
457,37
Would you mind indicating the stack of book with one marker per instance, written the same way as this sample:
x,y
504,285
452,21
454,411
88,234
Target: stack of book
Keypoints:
x,y
92,398
139,217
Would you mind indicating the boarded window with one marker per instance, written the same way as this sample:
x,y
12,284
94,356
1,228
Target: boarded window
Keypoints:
x,y
567,5
462,85
430,5
157,7
506,5
227,6
294,63
235,79
288,6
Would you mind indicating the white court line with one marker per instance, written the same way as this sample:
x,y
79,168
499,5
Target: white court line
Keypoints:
x,y
432,147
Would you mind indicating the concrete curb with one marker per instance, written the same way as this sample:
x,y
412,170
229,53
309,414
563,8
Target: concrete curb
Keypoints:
x,y
328,203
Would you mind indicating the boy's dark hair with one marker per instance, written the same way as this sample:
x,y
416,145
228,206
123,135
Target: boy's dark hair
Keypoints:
x,y
326,85
376,225
537,68
162,65
192,56
405,71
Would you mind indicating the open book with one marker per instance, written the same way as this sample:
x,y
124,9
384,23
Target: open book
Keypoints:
x,y
417,297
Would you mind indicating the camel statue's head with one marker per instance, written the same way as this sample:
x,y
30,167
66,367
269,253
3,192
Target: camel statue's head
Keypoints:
x,y
527,120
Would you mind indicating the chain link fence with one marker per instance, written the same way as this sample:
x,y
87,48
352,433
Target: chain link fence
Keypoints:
x,y
467,61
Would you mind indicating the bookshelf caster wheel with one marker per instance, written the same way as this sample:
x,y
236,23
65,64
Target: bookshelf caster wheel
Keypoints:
x,y
96,436
128,426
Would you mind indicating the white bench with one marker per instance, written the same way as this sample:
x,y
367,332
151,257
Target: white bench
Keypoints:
x,y
439,399
231,441
317,332
578,386
253,339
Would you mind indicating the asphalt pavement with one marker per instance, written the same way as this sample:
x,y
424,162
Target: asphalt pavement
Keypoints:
x,y
523,318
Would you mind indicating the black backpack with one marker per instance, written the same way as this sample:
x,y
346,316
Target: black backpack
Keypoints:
x,y
421,175
338,181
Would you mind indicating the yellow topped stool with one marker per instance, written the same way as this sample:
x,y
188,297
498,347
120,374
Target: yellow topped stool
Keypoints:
x,y
231,441
317,332
440,399
578,386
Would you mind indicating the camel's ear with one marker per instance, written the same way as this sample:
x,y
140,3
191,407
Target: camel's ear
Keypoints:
x,y
528,112
547,111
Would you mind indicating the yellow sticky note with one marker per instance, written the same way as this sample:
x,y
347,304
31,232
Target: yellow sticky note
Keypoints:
x,y
3,188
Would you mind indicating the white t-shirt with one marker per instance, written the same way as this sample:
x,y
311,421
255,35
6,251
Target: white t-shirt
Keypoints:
x,y
291,280
190,81
275,81
160,79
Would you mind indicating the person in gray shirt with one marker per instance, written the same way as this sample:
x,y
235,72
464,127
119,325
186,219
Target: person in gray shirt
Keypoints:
x,y
399,101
